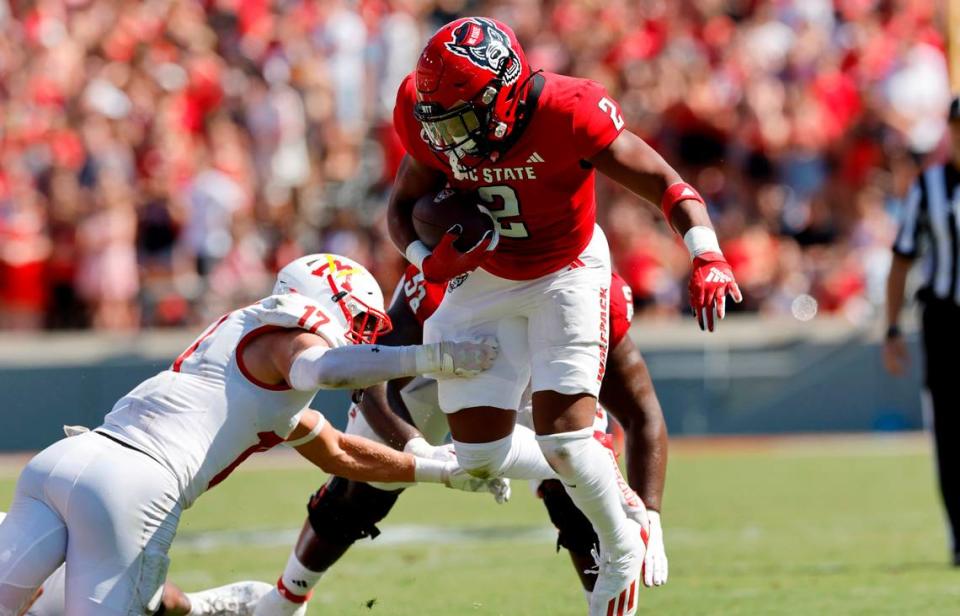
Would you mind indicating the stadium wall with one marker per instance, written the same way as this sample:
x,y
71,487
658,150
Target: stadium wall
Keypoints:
x,y
754,376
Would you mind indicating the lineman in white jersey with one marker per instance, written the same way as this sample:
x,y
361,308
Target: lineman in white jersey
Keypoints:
x,y
107,503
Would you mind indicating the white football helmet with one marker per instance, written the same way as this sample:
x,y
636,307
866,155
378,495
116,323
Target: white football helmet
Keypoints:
x,y
344,289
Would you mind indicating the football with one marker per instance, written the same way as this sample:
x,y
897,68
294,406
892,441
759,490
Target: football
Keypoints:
x,y
434,214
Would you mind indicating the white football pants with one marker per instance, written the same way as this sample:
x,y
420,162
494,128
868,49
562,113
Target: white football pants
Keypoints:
x,y
108,511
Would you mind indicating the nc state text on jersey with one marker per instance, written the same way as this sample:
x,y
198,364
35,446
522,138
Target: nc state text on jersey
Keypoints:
x,y
501,174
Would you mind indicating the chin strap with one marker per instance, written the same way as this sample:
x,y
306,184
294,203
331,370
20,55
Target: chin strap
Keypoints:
x,y
525,108
459,171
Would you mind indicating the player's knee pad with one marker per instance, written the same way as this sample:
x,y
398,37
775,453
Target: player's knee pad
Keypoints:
x,y
574,531
484,460
344,511
563,449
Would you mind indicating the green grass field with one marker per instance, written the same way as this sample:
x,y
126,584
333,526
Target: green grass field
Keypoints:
x,y
837,526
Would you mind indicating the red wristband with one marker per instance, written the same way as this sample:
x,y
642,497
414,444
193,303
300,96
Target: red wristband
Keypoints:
x,y
675,193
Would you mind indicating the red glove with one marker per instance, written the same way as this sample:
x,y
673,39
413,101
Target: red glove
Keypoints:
x,y
446,262
710,282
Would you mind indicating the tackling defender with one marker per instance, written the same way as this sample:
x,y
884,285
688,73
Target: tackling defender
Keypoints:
x,y
405,414
474,116
242,387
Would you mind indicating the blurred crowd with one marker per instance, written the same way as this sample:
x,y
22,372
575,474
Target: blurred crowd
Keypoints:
x,y
160,159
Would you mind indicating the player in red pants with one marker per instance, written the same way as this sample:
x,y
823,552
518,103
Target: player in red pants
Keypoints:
x,y
405,415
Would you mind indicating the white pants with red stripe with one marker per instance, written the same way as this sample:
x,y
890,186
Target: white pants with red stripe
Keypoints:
x,y
109,512
552,330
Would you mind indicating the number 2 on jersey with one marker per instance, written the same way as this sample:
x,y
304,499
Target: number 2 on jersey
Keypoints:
x,y
493,196
610,107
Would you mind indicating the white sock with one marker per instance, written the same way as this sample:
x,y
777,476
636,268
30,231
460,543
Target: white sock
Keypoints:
x,y
588,594
589,474
275,604
295,586
631,502
517,456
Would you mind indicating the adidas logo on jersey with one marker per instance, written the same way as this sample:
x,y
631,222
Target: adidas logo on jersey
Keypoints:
x,y
716,275
535,158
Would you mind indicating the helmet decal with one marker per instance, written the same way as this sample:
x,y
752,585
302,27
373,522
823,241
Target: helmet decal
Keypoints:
x,y
487,46
336,269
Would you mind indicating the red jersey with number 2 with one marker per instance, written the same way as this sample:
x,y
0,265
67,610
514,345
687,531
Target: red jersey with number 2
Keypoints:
x,y
423,298
541,191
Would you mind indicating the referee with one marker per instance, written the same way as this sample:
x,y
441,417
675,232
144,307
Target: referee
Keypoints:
x,y
931,228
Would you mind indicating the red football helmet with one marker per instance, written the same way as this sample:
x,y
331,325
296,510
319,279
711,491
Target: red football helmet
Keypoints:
x,y
470,79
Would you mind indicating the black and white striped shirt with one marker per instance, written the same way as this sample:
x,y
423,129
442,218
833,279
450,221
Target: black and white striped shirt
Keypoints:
x,y
929,227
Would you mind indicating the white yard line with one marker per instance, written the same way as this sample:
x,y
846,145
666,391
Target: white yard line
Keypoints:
x,y
392,535
426,535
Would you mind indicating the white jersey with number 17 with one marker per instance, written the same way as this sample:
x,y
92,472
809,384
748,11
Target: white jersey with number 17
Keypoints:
x,y
206,414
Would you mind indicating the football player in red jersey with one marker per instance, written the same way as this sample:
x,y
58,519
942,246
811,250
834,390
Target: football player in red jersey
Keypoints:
x,y
405,415
475,117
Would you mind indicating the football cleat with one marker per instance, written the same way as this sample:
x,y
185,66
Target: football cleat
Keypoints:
x,y
618,578
239,599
